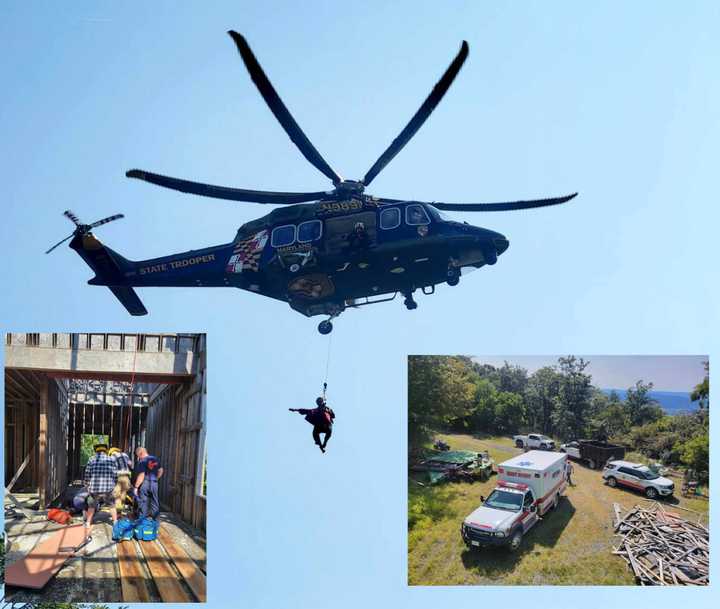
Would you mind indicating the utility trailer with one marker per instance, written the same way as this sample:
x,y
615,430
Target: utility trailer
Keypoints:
x,y
453,466
593,452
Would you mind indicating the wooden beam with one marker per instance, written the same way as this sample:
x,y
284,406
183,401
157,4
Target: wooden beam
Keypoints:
x,y
20,470
20,389
193,576
25,512
132,576
42,443
166,580
21,377
140,377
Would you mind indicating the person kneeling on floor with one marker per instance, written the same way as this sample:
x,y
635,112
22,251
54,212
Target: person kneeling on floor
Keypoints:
x,y
100,478
147,473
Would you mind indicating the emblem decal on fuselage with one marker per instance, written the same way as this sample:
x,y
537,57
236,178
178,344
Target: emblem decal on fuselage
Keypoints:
x,y
246,254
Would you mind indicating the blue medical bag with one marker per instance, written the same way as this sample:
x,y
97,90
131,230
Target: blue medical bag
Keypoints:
x,y
146,529
123,530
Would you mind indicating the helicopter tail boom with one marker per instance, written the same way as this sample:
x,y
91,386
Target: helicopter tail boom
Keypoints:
x,y
110,269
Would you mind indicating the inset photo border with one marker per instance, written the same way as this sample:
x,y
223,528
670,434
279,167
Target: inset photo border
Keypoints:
x,y
105,467
558,470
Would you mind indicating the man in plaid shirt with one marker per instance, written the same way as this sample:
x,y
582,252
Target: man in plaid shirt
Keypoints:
x,y
100,477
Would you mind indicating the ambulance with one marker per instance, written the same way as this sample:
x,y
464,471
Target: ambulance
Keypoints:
x,y
529,485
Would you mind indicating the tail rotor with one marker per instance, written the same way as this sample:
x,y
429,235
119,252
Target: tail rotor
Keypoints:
x,y
82,229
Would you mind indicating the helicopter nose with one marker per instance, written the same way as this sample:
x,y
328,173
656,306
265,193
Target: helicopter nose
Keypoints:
x,y
501,243
495,244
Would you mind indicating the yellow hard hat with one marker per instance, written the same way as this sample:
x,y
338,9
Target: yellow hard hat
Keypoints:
x,y
113,450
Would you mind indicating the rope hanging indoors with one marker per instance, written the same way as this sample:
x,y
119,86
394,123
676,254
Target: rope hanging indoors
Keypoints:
x,y
128,428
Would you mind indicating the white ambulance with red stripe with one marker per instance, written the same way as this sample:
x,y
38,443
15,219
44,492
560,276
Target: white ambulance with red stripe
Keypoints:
x,y
529,485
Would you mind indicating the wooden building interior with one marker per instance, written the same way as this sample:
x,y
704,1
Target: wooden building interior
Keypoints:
x,y
46,417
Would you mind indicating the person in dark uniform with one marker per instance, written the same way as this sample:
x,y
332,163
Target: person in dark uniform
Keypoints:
x,y
359,239
147,473
321,418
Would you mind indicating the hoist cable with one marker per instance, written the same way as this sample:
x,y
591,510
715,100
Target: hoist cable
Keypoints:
x,y
327,366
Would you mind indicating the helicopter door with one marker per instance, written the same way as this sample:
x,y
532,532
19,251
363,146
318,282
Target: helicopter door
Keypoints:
x,y
338,231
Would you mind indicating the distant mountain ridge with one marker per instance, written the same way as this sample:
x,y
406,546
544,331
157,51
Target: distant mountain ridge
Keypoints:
x,y
672,402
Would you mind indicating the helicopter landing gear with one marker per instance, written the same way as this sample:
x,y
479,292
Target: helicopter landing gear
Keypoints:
x,y
453,275
325,327
409,301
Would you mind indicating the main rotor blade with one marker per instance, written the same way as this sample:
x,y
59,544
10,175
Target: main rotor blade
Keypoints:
x,y
509,206
278,108
72,217
59,243
222,192
106,220
421,115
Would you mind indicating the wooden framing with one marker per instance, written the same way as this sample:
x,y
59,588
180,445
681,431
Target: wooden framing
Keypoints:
x,y
35,433
172,426
174,433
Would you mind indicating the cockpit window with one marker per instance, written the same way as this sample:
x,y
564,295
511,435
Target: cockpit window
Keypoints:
x,y
439,214
415,215
390,218
309,231
283,235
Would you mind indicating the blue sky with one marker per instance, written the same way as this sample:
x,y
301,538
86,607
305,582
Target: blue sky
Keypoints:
x,y
665,372
615,100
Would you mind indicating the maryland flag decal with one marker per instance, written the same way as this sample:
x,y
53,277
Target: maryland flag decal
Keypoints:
x,y
246,255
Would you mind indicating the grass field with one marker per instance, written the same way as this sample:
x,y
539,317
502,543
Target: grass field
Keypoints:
x,y
570,546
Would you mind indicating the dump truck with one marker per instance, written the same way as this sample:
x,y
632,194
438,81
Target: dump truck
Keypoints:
x,y
529,486
595,453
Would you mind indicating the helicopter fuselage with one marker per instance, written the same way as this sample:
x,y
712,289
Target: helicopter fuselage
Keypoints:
x,y
318,257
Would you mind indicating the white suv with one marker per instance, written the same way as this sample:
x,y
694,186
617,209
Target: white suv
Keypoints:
x,y
639,477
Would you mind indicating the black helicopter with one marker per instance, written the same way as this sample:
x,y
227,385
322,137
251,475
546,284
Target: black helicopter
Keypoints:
x,y
324,251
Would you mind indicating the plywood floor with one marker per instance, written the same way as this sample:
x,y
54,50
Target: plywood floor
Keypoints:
x,y
97,576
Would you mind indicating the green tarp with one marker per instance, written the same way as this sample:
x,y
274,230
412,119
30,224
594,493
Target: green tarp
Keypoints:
x,y
454,456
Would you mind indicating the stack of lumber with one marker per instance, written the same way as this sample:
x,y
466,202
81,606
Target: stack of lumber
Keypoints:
x,y
661,547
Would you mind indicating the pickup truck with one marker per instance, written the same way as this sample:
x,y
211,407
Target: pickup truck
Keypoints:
x,y
596,454
534,440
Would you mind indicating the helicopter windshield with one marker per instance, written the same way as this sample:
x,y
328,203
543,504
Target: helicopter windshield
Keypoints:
x,y
438,215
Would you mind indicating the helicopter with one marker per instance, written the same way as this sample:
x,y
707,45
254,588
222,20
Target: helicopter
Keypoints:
x,y
321,252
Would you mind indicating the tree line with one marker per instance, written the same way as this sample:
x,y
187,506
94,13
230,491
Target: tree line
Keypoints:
x,y
455,393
